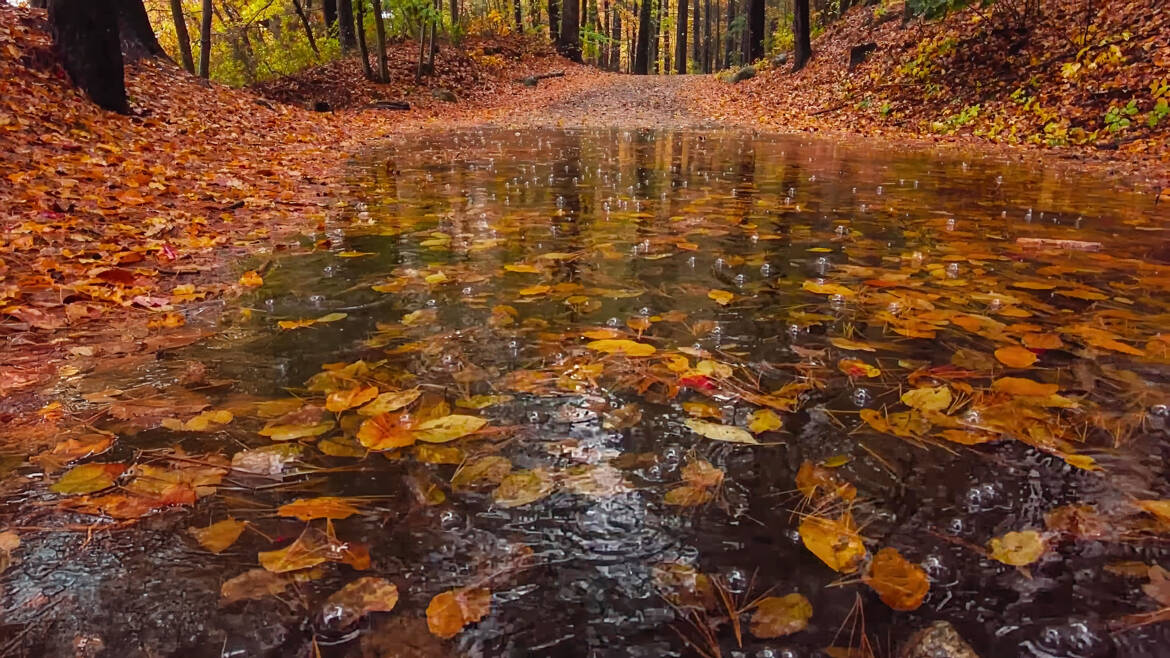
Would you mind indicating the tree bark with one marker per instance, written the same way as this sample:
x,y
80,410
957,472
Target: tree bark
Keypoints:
x,y
519,17
329,12
570,41
800,32
731,45
380,42
308,26
345,29
363,49
756,27
615,44
454,12
182,36
706,36
554,21
85,36
680,39
138,40
695,36
205,40
642,47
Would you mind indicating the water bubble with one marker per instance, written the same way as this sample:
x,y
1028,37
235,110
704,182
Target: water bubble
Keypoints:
x,y
952,270
612,322
644,311
720,263
736,580
672,454
950,223
861,396
450,520
431,303
1160,410
765,270
740,279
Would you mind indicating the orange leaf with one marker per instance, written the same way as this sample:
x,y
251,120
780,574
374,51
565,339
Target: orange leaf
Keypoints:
x,y
450,611
900,584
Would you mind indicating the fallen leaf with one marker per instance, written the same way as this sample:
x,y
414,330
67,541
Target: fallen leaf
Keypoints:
x,y
88,478
323,507
347,605
1018,548
450,611
764,420
900,584
928,399
835,541
777,616
622,346
218,536
448,428
717,432
523,487
1014,356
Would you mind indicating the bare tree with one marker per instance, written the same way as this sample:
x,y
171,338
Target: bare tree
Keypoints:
x,y
680,38
642,47
380,33
800,31
205,40
363,49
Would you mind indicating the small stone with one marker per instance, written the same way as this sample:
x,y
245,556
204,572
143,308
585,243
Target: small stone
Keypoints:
x,y
746,73
445,95
939,640
780,60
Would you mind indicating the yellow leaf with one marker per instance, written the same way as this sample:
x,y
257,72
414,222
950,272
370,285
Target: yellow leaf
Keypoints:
x,y
522,268
217,537
855,368
1014,356
928,399
251,279
1024,387
323,507
293,432
835,542
722,297
777,616
359,598
687,495
523,487
88,478
846,344
392,401
827,289
331,317
538,289
621,346
717,432
448,428
386,432
1018,548
339,401
764,420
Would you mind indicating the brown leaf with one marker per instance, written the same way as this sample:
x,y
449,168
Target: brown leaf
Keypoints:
x,y
450,611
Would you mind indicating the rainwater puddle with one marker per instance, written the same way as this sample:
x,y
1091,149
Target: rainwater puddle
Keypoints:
x,y
599,309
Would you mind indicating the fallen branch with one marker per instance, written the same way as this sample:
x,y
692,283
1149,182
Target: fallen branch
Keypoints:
x,y
532,80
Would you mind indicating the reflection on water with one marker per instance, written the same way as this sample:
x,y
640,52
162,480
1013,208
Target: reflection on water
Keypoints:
x,y
484,263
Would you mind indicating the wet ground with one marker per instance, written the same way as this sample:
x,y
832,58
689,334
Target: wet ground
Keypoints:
x,y
478,274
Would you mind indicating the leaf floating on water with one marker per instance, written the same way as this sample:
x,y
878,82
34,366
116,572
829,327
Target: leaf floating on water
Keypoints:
x,y
684,586
386,432
1024,387
827,289
721,297
323,507
450,611
482,401
251,279
253,584
359,598
852,345
485,470
266,460
928,399
717,432
294,432
777,616
835,541
900,584
88,478
1014,356
448,428
1018,548
523,487
339,401
688,495
764,420
392,401
700,473
218,536
1159,508
622,346
855,368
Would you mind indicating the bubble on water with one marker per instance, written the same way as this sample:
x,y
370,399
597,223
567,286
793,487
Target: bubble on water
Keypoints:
x,y
1160,410
792,535
861,396
894,308
840,229
736,580
691,261
956,526
793,329
450,520
972,417
612,322
467,290
880,190
740,279
269,304
936,568
765,270
837,301
431,303
950,224
534,416
644,311
952,270
720,263
672,454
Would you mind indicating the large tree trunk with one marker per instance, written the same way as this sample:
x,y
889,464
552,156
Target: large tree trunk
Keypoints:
x,y
756,27
570,42
454,12
615,45
519,17
642,47
182,36
800,32
85,35
205,40
731,45
680,39
138,40
554,21
380,42
695,34
345,29
363,49
707,41
329,11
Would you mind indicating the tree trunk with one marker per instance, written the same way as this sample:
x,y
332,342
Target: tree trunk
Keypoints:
x,y
800,32
695,34
380,42
642,47
756,27
363,49
345,29
570,42
329,11
554,21
707,41
454,12
603,27
518,15
731,45
664,30
85,36
138,40
616,39
680,39
308,26
182,36
205,40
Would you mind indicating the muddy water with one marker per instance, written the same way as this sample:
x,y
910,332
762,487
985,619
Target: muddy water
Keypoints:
x,y
630,232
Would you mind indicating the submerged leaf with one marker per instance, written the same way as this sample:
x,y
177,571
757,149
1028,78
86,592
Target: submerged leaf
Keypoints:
x,y
323,507
1018,548
218,536
294,432
777,616
523,487
717,432
359,598
900,584
448,428
622,346
450,611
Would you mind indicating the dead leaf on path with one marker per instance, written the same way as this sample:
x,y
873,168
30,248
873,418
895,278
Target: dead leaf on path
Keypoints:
x,y
777,616
450,611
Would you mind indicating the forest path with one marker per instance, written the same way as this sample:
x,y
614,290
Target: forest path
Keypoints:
x,y
625,101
